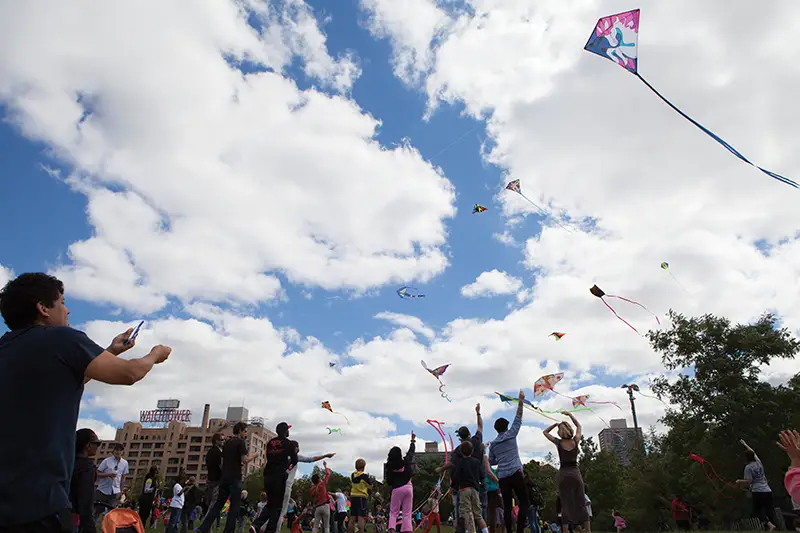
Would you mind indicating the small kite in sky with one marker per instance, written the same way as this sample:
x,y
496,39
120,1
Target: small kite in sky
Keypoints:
x,y
584,399
516,186
437,373
665,267
616,38
327,405
409,293
597,291
334,430
478,209
332,364
557,335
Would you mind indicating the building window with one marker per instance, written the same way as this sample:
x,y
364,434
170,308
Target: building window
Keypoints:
x,y
191,468
135,445
172,470
181,445
197,439
159,445
194,458
147,445
131,463
203,467
156,462
194,448
133,454
145,454
173,461
158,454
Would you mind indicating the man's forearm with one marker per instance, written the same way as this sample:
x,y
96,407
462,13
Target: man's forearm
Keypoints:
x,y
142,366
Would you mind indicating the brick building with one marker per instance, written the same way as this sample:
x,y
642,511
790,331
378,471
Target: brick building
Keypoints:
x,y
179,446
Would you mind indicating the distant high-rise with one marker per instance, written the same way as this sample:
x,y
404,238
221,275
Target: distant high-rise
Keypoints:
x,y
237,414
619,439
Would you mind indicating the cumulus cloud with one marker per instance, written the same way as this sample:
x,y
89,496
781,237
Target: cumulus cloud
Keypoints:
x,y
413,323
491,283
6,275
207,182
104,431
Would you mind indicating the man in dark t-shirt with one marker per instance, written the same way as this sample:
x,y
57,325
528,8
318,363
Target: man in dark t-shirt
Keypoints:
x,y
214,468
47,363
281,454
234,456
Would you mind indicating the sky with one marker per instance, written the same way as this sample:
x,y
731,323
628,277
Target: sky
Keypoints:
x,y
255,179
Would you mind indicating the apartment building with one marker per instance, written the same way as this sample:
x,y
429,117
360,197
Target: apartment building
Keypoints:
x,y
620,439
179,446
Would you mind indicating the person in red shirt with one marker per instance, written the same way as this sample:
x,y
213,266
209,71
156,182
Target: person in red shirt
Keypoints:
x,y
321,500
680,513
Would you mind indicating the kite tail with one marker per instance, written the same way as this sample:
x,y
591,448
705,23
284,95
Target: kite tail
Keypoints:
x,y
636,303
726,483
615,404
616,315
345,417
653,397
600,417
717,138
444,394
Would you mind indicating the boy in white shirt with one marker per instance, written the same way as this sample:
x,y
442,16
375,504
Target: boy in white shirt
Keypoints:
x,y
111,475
176,504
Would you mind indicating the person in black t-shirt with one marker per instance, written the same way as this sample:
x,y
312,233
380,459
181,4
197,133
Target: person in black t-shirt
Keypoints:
x,y
84,477
214,469
234,456
47,362
281,453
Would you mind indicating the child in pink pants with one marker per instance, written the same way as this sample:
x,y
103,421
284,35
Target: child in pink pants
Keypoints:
x,y
398,471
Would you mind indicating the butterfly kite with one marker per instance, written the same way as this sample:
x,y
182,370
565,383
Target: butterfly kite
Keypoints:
x,y
516,187
437,373
327,405
409,293
334,430
557,335
665,267
478,209
584,399
597,291
547,383
616,37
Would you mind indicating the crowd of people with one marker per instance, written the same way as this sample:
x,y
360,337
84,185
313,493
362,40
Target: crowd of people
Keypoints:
x,y
50,484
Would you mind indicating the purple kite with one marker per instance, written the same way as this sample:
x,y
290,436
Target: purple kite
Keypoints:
x,y
617,38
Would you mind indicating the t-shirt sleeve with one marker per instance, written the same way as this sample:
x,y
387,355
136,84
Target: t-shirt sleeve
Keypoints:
x,y
748,473
125,469
242,447
76,350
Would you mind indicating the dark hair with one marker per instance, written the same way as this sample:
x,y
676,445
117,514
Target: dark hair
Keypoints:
x,y
586,488
118,446
314,478
466,448
153,471
750,455
395,458
239,427
19,297
360,464
501,425
83,437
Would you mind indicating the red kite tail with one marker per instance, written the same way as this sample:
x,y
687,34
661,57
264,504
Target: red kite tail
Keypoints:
x,y
636,303
616,315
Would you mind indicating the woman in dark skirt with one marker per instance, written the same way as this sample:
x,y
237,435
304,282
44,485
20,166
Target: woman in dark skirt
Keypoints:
x,y
570,482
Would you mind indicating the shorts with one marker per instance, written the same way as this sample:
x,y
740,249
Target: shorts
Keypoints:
x,y
358,507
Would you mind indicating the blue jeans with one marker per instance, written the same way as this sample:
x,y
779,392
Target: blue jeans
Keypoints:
x,y
227,489
533,518
174,520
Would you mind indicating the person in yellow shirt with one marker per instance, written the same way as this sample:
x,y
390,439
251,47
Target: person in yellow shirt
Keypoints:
x,y
359,492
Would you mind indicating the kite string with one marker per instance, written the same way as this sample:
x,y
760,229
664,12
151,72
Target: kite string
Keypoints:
x,y
545,212
619,317
635,303
717,138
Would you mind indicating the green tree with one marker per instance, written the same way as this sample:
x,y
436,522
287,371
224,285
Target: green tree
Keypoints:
x,y
544,477
254,485
720,399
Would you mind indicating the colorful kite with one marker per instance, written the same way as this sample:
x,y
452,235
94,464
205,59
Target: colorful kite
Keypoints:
x,y
634,387
516,187
665,267
409,293
584,399
617,38
527,404
547,383
597,291
334,430
478,209
703,463
437,373
557,335
327,405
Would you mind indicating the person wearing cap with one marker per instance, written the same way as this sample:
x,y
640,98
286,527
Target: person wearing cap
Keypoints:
x,y
504,453
479,454
281,454
291,473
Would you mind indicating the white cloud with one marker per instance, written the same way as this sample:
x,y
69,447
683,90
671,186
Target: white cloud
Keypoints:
x,y
104,431
6,275
413,323
207,184
491,283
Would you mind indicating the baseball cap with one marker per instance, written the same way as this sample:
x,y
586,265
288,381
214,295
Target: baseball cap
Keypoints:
x,y
283,427
463,432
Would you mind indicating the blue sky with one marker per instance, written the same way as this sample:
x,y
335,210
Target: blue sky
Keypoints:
x,y
171,204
